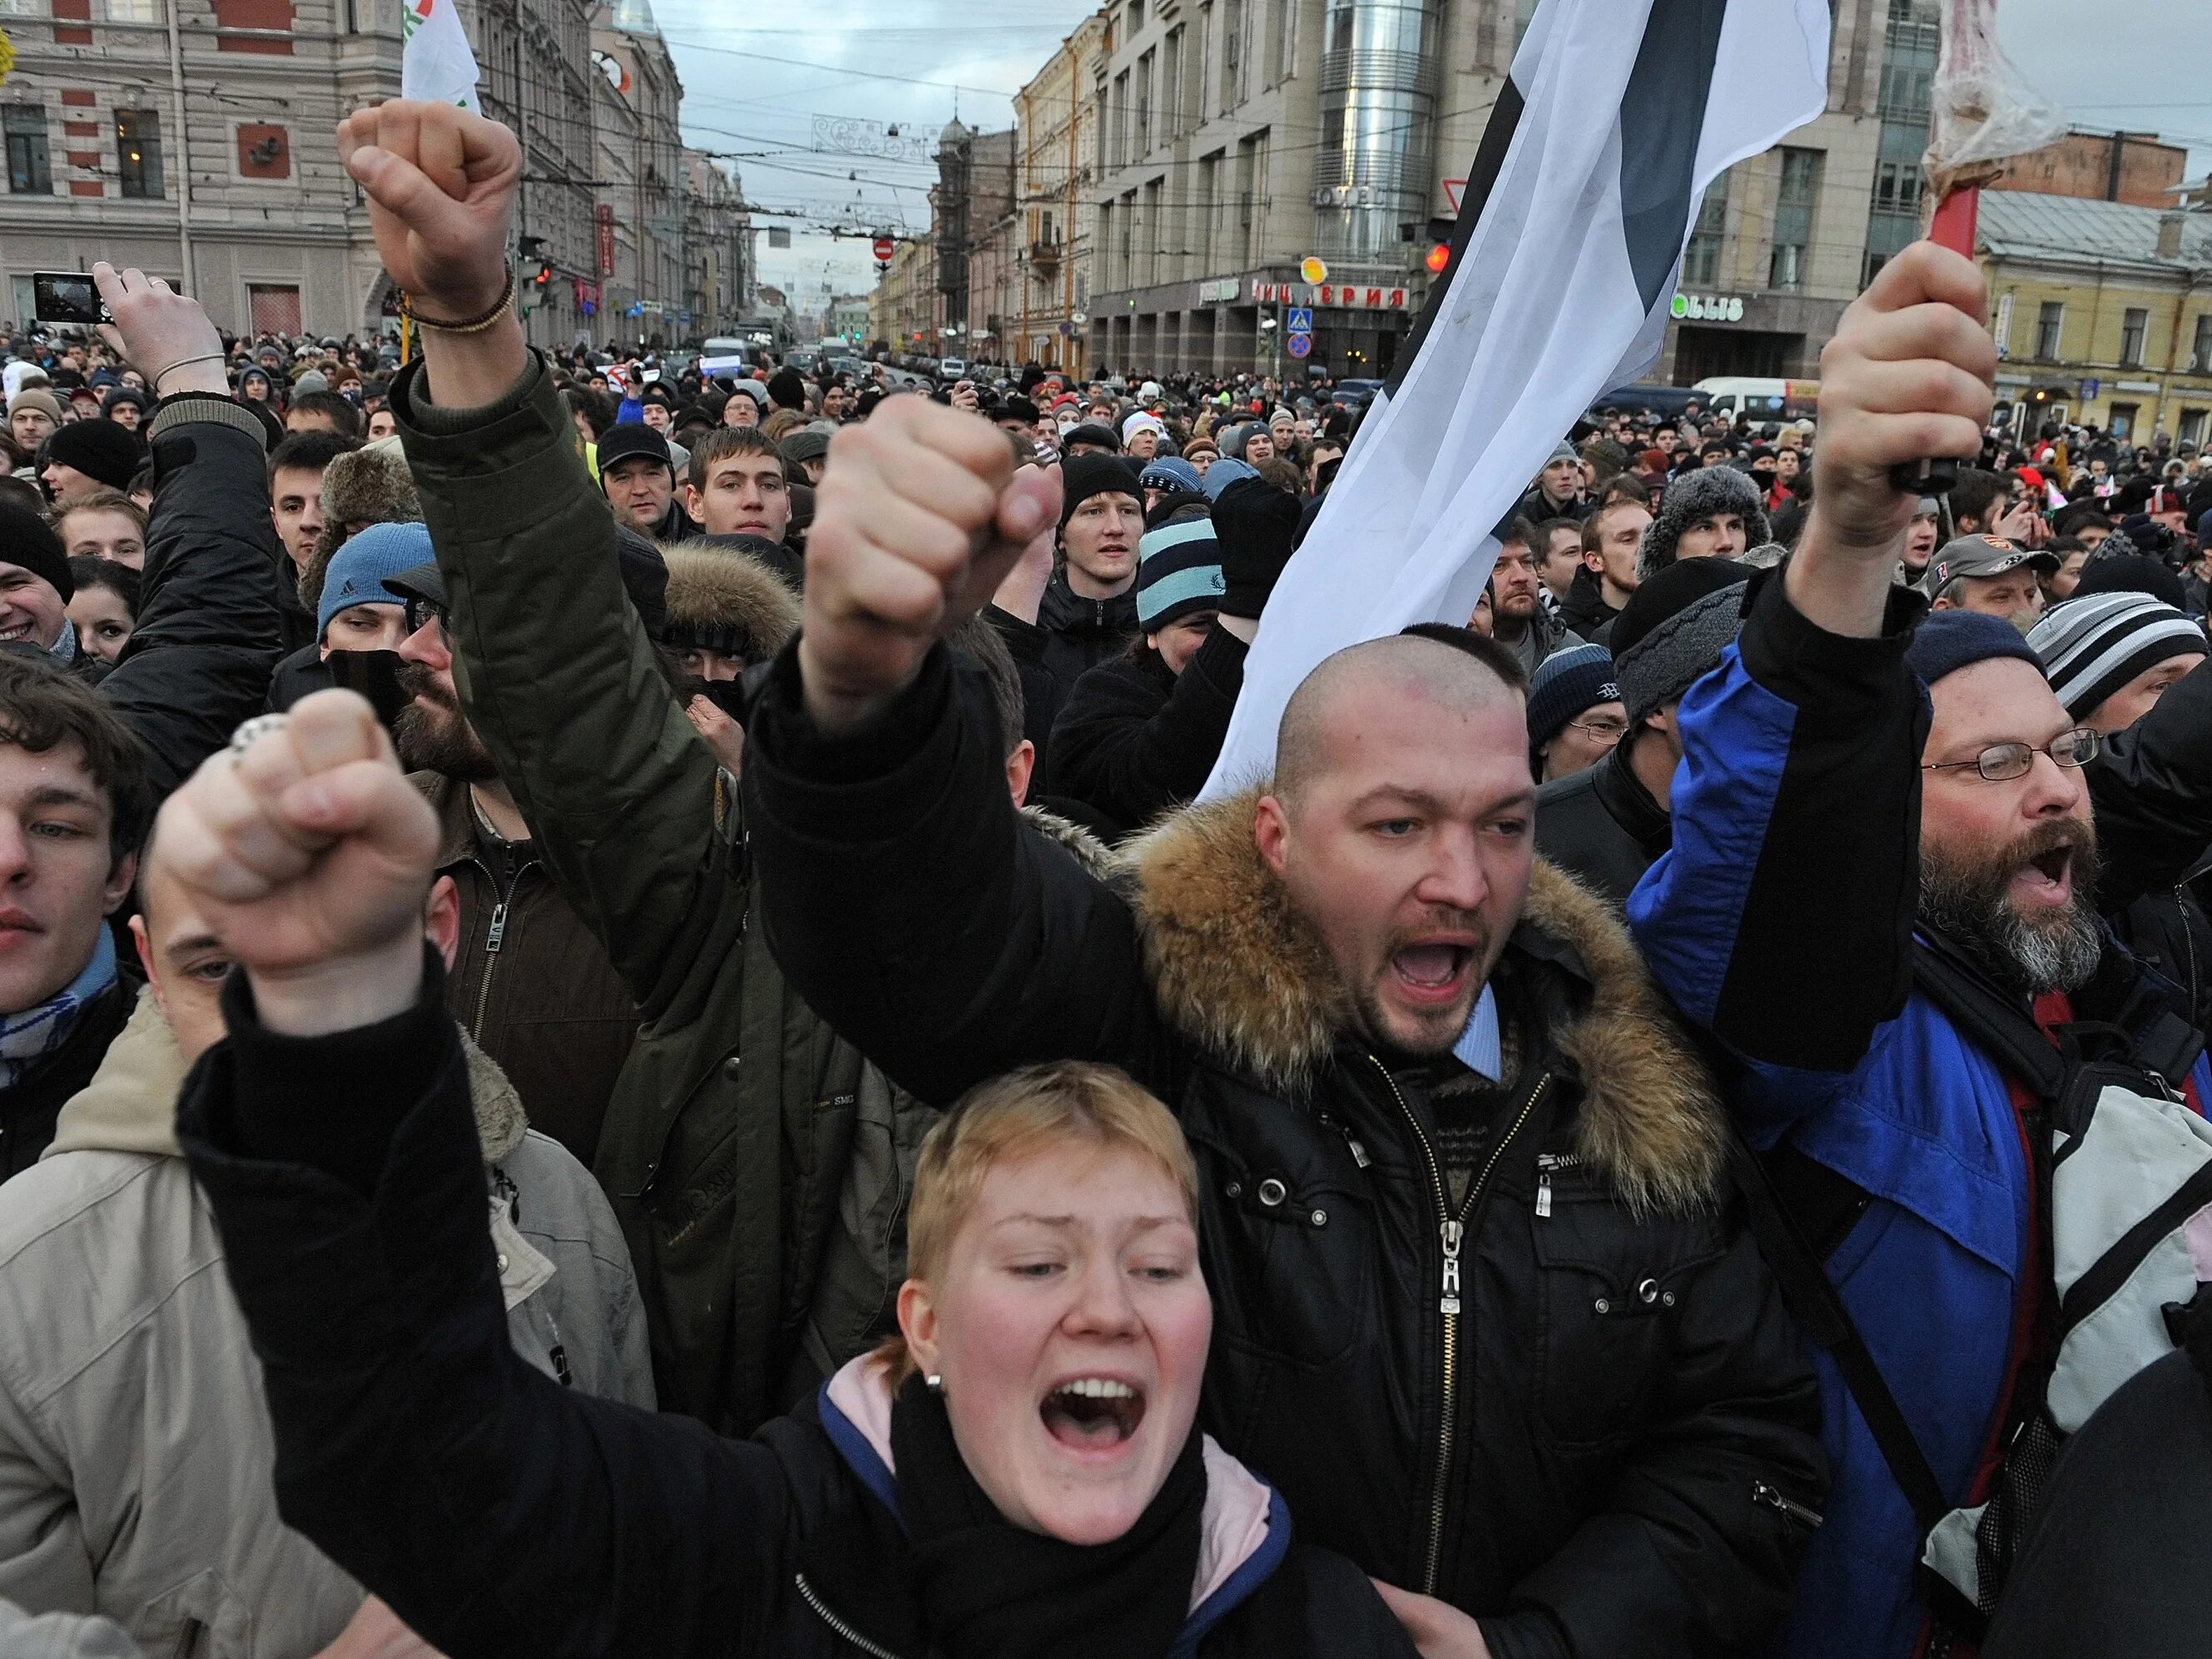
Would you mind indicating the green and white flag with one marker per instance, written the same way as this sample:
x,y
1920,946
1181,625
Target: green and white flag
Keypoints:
x,y
436,63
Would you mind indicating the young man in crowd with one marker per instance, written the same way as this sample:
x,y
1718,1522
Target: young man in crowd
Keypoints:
x,y
104,524
739,485
83,456
322,411
34,414
1713,513
1612,536
1558,560
1558,492
296,491
1575,713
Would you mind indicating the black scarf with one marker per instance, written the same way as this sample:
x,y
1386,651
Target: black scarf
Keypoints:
x,y
990,1591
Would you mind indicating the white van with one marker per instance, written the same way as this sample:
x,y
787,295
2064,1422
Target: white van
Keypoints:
x,y
1760,399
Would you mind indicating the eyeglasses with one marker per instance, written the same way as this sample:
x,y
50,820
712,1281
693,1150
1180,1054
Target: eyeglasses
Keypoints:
x,y
420,613
2001,762
1602,730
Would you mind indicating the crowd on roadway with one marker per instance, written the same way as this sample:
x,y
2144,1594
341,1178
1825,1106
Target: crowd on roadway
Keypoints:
x,y
740,1093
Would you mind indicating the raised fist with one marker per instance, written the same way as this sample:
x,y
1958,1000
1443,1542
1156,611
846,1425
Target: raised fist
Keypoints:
x,y
440,185
1909,375
308,854
918,518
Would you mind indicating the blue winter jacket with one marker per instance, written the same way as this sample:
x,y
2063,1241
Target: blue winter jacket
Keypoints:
x,y
1902,1105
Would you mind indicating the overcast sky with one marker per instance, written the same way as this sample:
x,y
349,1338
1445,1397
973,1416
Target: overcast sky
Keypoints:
x,y
767,96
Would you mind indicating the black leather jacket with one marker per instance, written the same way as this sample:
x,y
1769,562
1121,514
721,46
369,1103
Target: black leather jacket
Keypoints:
x,y
1602,826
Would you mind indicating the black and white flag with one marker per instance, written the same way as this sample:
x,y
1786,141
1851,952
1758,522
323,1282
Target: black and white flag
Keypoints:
x,y
1562,271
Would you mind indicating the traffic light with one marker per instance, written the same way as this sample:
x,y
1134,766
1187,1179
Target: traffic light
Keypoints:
x,y
1440,255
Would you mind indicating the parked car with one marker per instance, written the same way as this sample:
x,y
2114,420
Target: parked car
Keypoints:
x,y
952,369
1666,402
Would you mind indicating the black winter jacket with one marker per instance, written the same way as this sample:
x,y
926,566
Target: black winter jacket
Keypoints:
x,y
210,625
1585,609
1133,739
1071,635
1562,1413
500,1513
29,1110
1602,826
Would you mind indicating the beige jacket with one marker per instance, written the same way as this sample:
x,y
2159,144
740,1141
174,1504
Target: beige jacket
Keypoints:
x,y
136,1450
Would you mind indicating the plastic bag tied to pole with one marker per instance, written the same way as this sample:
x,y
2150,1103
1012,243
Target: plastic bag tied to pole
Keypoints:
x,y
1982,110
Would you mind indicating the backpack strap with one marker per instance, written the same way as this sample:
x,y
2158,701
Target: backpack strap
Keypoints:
x,y
2002,1025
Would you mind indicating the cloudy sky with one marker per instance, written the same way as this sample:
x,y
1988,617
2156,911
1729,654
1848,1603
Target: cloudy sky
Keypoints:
x,y
791,101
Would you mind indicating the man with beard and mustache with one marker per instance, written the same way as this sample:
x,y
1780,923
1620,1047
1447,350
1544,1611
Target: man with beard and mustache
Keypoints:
x,y
1907,1156
531,983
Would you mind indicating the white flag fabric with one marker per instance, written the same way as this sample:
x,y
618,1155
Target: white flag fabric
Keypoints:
x,y
435,60
1562,271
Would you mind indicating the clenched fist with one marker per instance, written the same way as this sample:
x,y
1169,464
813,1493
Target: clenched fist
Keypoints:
x,y
309,855
1909,374
440,184
919,516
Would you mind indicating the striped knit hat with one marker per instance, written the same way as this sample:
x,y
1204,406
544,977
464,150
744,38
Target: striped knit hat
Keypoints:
x,y
2091,647
1178,569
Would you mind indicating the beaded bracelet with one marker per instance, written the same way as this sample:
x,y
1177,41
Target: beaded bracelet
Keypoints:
x,y
474,325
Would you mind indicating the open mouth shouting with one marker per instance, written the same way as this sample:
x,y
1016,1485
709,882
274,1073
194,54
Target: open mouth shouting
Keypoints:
x,y
1434,972
2045,879
1093,1414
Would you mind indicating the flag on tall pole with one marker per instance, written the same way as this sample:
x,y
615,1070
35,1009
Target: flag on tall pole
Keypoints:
x,y
1562,271
436,63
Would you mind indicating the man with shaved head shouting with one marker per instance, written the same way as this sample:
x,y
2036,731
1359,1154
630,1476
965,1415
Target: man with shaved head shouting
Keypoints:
x,y
1486,1317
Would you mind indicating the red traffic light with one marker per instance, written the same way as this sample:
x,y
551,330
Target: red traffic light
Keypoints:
x,y
1439,257
544,275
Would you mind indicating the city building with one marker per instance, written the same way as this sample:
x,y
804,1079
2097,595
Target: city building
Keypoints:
x,y
534,58
640,204
198,145
1057,117
2139,169
974,192
849,318
718,247
906,311
2102,313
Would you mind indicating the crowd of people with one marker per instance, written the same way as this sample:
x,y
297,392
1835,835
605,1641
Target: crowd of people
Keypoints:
x,y
627,1027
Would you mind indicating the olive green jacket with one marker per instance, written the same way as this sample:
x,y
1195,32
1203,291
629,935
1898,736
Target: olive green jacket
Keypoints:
x,y
759,1166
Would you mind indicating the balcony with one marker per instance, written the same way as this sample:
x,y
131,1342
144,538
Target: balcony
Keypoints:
x,y
1044,258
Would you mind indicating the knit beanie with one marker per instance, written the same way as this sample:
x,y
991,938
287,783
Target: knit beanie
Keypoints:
x,y
1563,451
99,449
1690,497
1674,629
312,380
358,570
28,542
1172,472
1947,641
1565,684
37,397
786,390
1138,422
1082,476
2134,573
1225,472
2092,647
1178,570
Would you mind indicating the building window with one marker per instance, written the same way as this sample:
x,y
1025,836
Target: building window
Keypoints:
x,y
133,11
30,169
2200,352
138,152
1701,260
275,308
1232,32
2049,324
1136,17
1792,218
2192,426
2135,323
2122,422
1145,104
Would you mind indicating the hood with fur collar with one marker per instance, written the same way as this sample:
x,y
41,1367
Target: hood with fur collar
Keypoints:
x,y
723,599
1238,970
130,1105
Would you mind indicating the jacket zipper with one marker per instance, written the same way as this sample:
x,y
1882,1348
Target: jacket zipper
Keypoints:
x,y
1452,1233
1763,1493
836,1624
1547,1164
495,936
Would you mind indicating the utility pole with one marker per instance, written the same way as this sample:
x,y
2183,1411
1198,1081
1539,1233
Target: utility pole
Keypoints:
x,y
184,156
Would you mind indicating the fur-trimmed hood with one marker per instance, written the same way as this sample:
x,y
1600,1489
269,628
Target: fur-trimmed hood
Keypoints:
x,y
371,485
722,594
1239,971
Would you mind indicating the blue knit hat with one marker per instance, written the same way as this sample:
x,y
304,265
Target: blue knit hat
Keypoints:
x,y
1224,473
1178,570
1171,473
1947,641
1565,684
359,569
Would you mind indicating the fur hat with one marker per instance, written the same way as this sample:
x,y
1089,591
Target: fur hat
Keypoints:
x,y
366,486
1690,497
722,599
